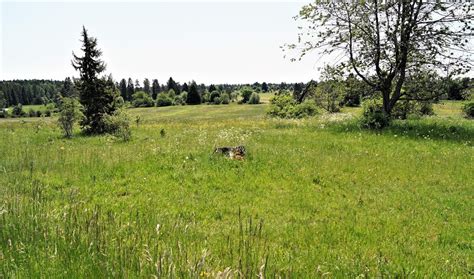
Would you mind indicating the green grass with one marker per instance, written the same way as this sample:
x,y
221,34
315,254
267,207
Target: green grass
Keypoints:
x,y
314,198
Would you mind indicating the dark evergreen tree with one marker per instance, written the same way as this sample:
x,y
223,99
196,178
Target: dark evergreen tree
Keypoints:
x,y
212,88
173,85
96,99
137,86
146,86
155,89
193,97
67,90
123,89
130,90
185,87
264,87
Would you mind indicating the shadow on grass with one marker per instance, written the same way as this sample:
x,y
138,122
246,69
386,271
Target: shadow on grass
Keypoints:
x,y
458,131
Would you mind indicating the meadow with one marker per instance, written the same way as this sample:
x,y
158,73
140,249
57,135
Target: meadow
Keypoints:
x,y
314,198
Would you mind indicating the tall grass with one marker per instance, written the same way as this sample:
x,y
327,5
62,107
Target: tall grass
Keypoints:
x,y
314,198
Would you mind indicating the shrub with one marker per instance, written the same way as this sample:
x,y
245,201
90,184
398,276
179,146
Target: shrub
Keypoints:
x,y
468,109
18,111
184,96
306,109
118,124
69,113
284,106
164,100
329,95
142,99
215,95
39,113
31,113
234,95
4,113
425,108
254,99
404,109
178,100
246,92
206,97
225,99
373,116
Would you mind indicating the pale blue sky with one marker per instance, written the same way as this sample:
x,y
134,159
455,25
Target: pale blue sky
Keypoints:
x,y
209,42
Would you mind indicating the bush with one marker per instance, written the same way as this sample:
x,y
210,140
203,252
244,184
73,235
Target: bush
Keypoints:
x,y
39,113
234,95
18,111
215,95
164,100
329,95
47,113
142,99
306,109
184,96
246,92
405,109
468,109
254,99
4,113
284,106
178,100
225,99
69,113
373,116
32,113
118,124
425,108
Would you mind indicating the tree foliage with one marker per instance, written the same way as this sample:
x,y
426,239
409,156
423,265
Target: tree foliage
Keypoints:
x,y
384,42
70,112
96,96
193,97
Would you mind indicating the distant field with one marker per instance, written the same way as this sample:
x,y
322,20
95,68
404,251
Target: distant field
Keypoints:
x,y
314,198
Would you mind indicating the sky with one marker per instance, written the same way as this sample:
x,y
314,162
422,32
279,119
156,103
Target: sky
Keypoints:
x,y
209,42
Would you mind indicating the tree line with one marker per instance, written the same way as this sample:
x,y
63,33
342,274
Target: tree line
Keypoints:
x,y
42,92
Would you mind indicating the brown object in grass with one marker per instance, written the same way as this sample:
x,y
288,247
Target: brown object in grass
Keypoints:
x,y
237,153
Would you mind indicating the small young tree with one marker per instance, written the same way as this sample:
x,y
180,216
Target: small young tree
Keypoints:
x,y
329,93
69,113
246,92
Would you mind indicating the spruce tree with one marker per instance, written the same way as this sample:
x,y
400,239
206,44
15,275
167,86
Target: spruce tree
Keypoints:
x,y
173,85
94,96
185,87
193,97
123,89
155,89
130,89
146,86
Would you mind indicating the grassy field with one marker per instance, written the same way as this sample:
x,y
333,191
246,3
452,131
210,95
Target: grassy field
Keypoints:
x,y
314,198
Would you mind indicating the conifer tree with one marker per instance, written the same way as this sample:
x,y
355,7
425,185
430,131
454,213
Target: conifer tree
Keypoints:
x,y
193,97
146,86
123,89
130,89
97,101
185,87
155,89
